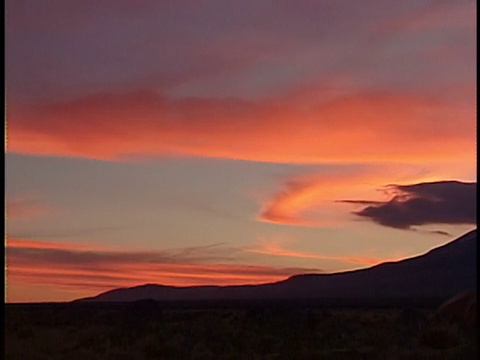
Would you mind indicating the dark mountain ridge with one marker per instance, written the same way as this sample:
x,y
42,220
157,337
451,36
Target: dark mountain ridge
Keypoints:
x,y
440,273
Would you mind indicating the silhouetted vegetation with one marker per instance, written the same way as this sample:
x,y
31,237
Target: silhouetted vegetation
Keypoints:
x,y
151,330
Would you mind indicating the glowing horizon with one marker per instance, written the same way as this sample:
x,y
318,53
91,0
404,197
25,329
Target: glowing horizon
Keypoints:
x,y
228,143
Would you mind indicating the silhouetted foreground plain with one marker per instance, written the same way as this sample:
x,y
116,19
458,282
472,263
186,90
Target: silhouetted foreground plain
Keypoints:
x,y
149,329
388,311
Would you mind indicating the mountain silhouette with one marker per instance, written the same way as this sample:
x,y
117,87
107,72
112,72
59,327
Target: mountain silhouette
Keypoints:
x,y
440,273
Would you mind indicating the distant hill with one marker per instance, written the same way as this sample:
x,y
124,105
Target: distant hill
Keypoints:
x,y
439,273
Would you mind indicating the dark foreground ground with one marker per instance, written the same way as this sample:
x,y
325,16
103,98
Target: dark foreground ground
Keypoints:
x,y
152,330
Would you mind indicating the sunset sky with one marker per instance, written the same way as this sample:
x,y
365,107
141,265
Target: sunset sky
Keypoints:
x,y
218,142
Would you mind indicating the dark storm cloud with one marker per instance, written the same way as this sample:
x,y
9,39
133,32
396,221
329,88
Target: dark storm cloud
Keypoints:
x,y
442,202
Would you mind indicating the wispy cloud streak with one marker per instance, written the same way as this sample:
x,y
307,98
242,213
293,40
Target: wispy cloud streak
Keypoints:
x,y
26,206
275,248
85,268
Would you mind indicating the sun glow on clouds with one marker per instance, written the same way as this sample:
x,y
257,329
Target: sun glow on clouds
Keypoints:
x,y
72,268
311,199
383,86
362,127
274,247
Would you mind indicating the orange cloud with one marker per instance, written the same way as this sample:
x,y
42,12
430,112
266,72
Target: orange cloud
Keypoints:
x,y
311,199
34,244
274,248
75,268
298,194
25,206
362,127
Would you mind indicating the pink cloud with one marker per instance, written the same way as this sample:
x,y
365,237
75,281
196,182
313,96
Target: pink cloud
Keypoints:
x,y
315,199
26,206
362,127
65,267
276,248
439,15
